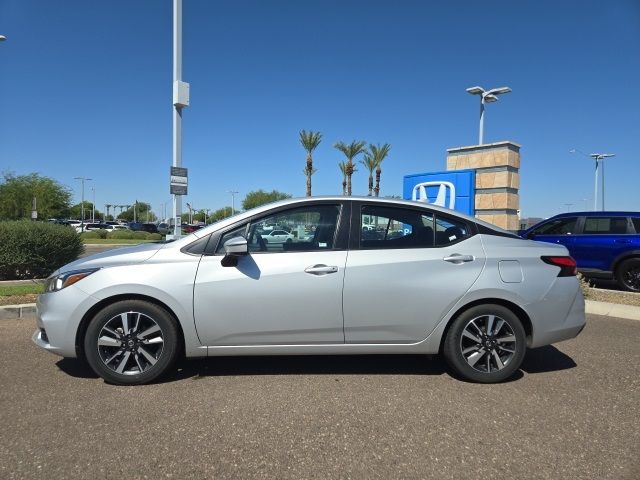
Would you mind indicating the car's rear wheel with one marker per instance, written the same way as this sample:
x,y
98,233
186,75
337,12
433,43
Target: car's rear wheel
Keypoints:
x,y
485,344
131,342
628,274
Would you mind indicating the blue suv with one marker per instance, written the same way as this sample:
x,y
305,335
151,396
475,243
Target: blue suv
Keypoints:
x,y
604,244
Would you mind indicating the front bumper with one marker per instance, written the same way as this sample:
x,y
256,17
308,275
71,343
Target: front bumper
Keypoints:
x,y
58,315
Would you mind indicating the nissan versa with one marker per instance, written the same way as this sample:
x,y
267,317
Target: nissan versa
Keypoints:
x,y
349,276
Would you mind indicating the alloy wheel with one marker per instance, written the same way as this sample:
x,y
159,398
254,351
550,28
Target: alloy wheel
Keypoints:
x,y
488,343
130,343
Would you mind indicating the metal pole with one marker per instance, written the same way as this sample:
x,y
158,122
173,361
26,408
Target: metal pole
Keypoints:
x,y
177,110
595,192
233,201
93,206
481,120
603,184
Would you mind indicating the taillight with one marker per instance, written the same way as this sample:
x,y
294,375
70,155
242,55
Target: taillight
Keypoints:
x,y
568,266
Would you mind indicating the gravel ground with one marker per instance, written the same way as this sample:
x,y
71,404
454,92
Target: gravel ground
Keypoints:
x,y
612,296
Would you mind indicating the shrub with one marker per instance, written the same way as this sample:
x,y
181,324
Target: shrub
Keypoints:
x,y
90,234
585,285
101,233
154,236
120,234
35,249
140,235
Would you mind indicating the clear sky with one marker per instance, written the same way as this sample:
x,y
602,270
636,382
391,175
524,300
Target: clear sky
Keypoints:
x,y
85,90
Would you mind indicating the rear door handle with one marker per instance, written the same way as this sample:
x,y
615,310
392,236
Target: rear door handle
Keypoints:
x,y
321,269
457,258
622,240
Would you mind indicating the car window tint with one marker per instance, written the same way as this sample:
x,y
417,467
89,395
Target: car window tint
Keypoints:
x,y
604,225
236,232
384,228
299,229
636,223
450,231
562,226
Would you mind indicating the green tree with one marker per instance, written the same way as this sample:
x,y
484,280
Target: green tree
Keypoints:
x,y
17,194
350,151
76,211
220,214
141,209
379,153
310,141
260,197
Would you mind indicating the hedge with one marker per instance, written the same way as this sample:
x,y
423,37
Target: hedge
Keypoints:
x,y
35,249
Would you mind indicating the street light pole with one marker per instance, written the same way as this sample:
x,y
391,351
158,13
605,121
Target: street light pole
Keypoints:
x,y
486,96
599,159
233,202
93,205
82,180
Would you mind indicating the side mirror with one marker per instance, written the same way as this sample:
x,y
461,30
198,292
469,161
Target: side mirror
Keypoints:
x,y
233,248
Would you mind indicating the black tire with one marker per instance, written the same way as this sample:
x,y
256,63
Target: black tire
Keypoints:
x,y
628,275
498,343
146,356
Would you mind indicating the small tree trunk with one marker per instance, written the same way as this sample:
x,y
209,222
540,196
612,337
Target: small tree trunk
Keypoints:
x,y
344,186
378,173
371,184
309,172
349,173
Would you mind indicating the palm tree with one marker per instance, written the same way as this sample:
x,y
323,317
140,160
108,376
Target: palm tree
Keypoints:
x,y
310,141
378,153
343,169
350,151
369,162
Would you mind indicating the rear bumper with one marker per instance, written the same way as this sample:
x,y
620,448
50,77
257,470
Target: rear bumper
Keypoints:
x,y
553,323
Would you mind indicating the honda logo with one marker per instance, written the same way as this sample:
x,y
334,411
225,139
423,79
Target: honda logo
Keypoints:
x,y
420,193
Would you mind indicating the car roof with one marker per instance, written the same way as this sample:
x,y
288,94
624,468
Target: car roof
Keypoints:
x,y
596,214
340,198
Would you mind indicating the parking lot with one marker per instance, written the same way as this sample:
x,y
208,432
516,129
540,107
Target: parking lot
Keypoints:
x,y
571,413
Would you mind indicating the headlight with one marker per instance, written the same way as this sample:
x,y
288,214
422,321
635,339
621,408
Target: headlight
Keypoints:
x,y
62,280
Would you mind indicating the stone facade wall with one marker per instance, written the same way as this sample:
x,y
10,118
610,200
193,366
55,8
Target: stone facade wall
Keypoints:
x,y
497,168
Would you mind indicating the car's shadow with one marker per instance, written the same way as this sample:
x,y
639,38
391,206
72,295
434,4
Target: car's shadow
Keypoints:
x,y
538,360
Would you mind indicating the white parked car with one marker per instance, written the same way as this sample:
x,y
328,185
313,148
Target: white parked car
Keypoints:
x,y
277,236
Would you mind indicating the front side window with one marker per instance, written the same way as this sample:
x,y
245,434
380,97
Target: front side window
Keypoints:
x,y
636,223
605,225
563,226
306,228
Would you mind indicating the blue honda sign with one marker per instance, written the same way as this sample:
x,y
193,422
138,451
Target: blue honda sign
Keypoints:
x,y
452,189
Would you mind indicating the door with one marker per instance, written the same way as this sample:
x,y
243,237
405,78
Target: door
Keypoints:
x,y
399,284
601,241
560,230
280,293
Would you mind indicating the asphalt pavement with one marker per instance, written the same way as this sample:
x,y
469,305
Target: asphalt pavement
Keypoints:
x,y
571,413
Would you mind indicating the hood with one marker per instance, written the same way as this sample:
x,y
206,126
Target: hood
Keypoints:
x,y
115,256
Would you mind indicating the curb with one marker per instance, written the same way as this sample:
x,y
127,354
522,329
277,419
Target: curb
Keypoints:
x,y
629,312
16,312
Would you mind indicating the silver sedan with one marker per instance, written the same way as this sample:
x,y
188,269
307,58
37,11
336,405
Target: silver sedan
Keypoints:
x,y
417,279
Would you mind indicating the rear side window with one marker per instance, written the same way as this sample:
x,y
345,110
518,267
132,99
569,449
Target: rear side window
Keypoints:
x,y
605,225
393,228
450,231
562,226
636,223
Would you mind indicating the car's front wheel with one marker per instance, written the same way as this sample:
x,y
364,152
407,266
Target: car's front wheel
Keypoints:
x,y
628,274
485,344
131,342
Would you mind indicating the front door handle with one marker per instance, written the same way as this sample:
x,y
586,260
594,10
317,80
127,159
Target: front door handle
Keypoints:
x,y
458,259
622,240
321,269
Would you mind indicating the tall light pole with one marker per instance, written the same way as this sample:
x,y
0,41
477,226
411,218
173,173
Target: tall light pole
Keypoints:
x,y
233,202
82,180
93,205
486,96
568,205
599,159
180,100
